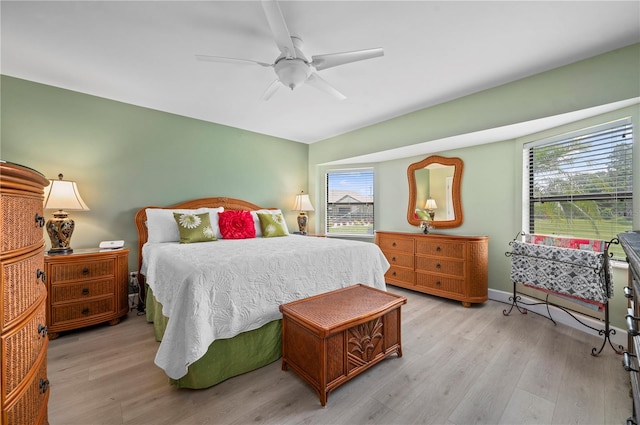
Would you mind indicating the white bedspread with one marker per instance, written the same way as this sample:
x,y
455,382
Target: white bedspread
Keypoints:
x,y
219,289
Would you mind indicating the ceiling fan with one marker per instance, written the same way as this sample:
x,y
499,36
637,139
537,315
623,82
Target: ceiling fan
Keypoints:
x,y
292,67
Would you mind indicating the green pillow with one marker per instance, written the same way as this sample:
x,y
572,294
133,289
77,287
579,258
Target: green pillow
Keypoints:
x,y
272,225
194,227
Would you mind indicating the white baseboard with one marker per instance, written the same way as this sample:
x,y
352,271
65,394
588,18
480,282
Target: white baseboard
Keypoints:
x,y
619,338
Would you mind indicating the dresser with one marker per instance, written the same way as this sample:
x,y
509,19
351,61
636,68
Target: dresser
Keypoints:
x,y
23,331
454,267
85,288
630,242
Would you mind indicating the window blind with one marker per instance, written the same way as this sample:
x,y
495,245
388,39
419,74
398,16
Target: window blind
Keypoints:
x,y
350,202
580,184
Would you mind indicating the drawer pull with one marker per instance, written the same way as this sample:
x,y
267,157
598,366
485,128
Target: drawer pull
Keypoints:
x,y
42,330
393,244
41,275
393,274
438,283
44,385
393,259
85,271
438,266
85,311
438,249
628,292
627,362
85,291
631,325
39,220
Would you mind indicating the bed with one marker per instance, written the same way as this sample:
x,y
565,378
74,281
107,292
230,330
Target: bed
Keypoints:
x,y
214,305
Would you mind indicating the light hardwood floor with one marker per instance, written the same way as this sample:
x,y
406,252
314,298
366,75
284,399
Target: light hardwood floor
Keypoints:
x,y
459,366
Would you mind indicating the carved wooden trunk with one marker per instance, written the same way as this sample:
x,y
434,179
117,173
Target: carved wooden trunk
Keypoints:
x,y
330,338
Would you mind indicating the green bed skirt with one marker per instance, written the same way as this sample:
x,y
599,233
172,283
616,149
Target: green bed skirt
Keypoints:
x,y
226,357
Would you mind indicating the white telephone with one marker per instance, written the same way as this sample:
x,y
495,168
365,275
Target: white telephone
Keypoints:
x,y
111,244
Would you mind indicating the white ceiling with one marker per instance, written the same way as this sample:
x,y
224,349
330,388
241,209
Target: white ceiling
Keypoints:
x,y
142,53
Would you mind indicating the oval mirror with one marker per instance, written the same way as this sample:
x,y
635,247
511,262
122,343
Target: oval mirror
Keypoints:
x,y
434,191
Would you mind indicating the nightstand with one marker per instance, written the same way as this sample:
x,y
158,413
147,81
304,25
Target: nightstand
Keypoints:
x,y
85,288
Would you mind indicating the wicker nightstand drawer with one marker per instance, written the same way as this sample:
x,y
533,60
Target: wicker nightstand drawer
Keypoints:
x,y
81,311
400,275
400,260
390,243
80,291
81,270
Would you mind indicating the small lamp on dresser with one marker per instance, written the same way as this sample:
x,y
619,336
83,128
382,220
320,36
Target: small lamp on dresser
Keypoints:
x,y
62,195
430,206
302,204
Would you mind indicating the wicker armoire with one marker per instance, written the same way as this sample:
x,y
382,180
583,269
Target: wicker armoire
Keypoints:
x,y
23,330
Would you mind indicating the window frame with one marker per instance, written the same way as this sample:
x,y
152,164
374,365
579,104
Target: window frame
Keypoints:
x,y
327,205
529,198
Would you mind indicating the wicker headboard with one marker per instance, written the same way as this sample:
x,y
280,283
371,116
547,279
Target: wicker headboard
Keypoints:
x,y
227,203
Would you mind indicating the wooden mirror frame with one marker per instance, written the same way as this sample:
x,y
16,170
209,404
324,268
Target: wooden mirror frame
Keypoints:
x,y
455,190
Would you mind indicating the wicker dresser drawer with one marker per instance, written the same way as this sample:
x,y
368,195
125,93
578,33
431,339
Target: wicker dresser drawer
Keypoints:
x,y
391,243
21,225
31,405
399,259
71,271
439,283
23,278
439,265
21,348
440,249
400,275
80,291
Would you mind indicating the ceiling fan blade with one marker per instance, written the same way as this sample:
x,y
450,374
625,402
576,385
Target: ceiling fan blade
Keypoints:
x,y
318,82
279,28
330,60
273,87
231,60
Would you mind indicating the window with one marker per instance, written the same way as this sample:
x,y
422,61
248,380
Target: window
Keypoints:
x,y
580,184
350,202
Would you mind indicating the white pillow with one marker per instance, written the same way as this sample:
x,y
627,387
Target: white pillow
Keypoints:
x,y
256,220
214,219
162,227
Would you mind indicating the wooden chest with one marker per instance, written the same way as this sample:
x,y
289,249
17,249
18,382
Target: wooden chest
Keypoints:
x,y
330,338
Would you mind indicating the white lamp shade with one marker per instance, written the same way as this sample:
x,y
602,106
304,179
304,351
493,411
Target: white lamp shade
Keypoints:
x,y
63,195
431,204
302,203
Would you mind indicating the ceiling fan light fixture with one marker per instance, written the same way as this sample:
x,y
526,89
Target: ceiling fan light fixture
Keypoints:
x,y
292,72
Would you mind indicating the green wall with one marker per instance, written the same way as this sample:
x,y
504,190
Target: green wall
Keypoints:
x,y
125,157
492,179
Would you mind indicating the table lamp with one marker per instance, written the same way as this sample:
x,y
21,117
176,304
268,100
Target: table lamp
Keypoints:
x,y
302,204
62,195
430,206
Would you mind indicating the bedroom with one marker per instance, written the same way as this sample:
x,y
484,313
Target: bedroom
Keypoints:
x,y
127,156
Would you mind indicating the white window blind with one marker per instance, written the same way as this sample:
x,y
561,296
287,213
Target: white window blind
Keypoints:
x,y
350,202
580,184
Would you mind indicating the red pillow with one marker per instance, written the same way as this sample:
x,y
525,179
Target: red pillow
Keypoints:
x,y
236,225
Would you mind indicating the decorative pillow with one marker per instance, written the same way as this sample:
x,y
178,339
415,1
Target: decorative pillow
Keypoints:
x,y
256,220
194,227
236,225
213,217
272,225
161,226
